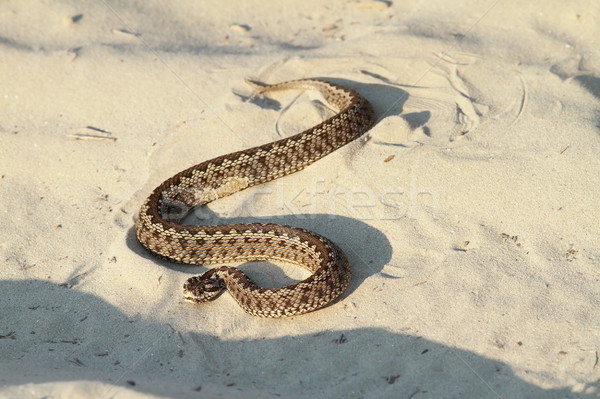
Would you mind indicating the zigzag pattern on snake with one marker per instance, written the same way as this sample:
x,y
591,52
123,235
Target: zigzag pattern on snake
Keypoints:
x,y
158,228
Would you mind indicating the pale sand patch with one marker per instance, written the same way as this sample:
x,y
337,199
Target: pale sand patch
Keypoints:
x,y
469,212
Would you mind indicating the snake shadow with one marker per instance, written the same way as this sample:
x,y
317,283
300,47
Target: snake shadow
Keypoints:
x,y
53,334
386,98
368,249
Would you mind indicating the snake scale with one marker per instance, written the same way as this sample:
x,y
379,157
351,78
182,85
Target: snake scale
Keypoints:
x,y
158,225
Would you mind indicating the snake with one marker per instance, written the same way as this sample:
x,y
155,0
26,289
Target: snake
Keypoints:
x,y
160,230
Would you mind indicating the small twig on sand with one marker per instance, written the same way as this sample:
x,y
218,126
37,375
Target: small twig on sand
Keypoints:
x,y
91,137
100,135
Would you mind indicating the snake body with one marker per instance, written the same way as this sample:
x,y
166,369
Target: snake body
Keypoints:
x,y
158,228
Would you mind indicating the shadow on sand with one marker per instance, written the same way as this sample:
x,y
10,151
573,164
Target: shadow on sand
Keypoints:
x,y
72,336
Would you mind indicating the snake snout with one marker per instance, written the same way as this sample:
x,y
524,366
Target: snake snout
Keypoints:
x,y
198,289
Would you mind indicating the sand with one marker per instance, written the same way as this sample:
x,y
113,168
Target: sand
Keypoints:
x,y
469,212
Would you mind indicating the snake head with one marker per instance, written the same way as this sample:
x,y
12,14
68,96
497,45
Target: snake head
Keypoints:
x,y
202,289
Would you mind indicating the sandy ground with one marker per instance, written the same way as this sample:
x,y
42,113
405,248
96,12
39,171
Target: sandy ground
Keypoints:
x,y
469,212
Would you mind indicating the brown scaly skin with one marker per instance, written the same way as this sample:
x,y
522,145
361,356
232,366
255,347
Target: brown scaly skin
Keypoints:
x,y
158,230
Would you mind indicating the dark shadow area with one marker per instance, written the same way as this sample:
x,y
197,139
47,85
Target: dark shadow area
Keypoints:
x,y
590,83
231,49
387,100
263,102
11,43
418,119
62,334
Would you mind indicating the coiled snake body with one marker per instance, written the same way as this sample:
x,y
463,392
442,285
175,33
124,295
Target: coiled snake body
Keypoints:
x,y
158,228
